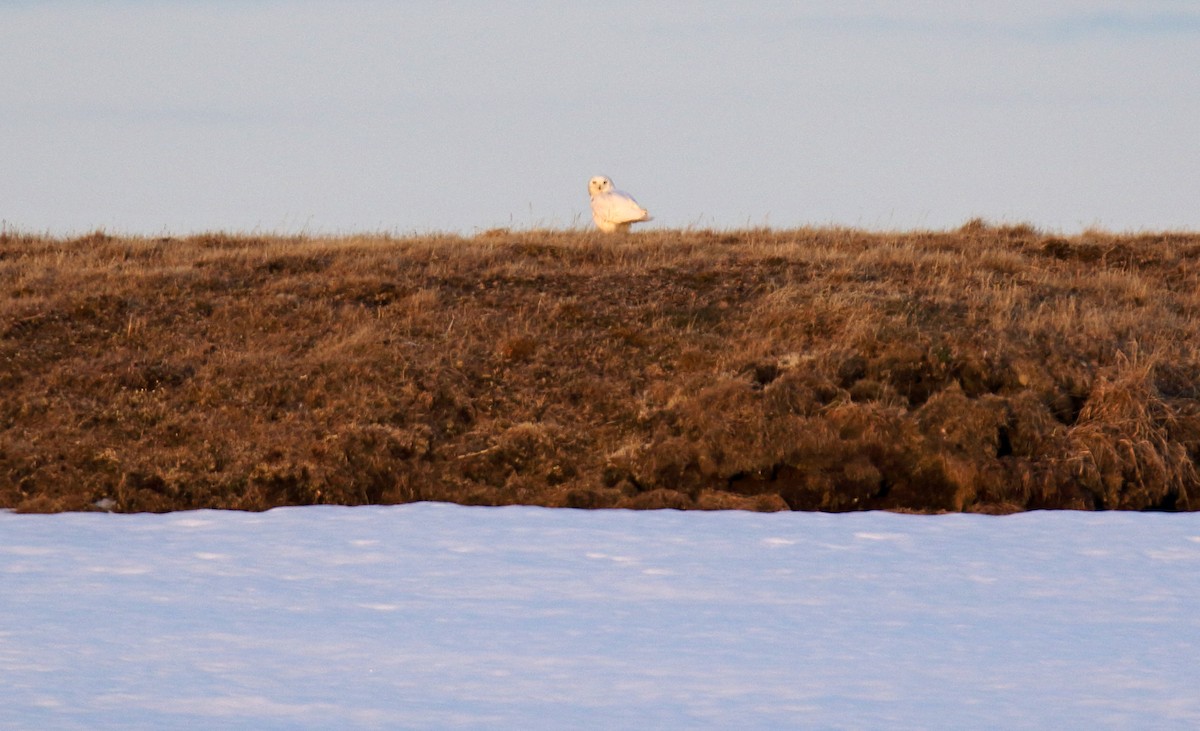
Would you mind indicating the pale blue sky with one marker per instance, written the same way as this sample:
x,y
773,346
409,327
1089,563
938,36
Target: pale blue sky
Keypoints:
x,y
145,117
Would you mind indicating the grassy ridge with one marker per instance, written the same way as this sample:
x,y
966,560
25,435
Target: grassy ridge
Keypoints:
x,y
984,369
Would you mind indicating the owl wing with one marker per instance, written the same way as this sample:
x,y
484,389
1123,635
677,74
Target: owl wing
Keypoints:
x,y
617,207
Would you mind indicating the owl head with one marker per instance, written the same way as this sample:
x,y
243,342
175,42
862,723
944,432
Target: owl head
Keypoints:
x,y
599,184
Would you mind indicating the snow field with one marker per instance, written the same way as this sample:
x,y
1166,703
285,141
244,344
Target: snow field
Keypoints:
x,y
441,616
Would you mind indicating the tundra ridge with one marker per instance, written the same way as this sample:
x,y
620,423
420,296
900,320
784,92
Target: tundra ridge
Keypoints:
x,y
990,368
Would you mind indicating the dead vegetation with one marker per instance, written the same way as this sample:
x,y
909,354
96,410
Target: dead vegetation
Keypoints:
x,y
986,369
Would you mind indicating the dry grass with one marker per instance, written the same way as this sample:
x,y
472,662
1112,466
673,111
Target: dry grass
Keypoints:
x,y
986,369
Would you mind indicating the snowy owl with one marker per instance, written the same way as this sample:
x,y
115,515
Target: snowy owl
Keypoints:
x,y
613,210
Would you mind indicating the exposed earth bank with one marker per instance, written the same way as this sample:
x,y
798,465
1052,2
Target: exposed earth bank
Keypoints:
x,y
991,369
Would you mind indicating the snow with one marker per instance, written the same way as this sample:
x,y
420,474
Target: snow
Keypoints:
x,y
440,616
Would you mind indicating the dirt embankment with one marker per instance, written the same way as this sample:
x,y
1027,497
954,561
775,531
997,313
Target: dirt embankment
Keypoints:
x,y
985,369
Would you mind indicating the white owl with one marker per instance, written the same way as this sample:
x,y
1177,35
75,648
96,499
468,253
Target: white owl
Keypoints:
x,y
613,210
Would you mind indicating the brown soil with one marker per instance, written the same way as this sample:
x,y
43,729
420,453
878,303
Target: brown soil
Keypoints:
x,y
989,369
